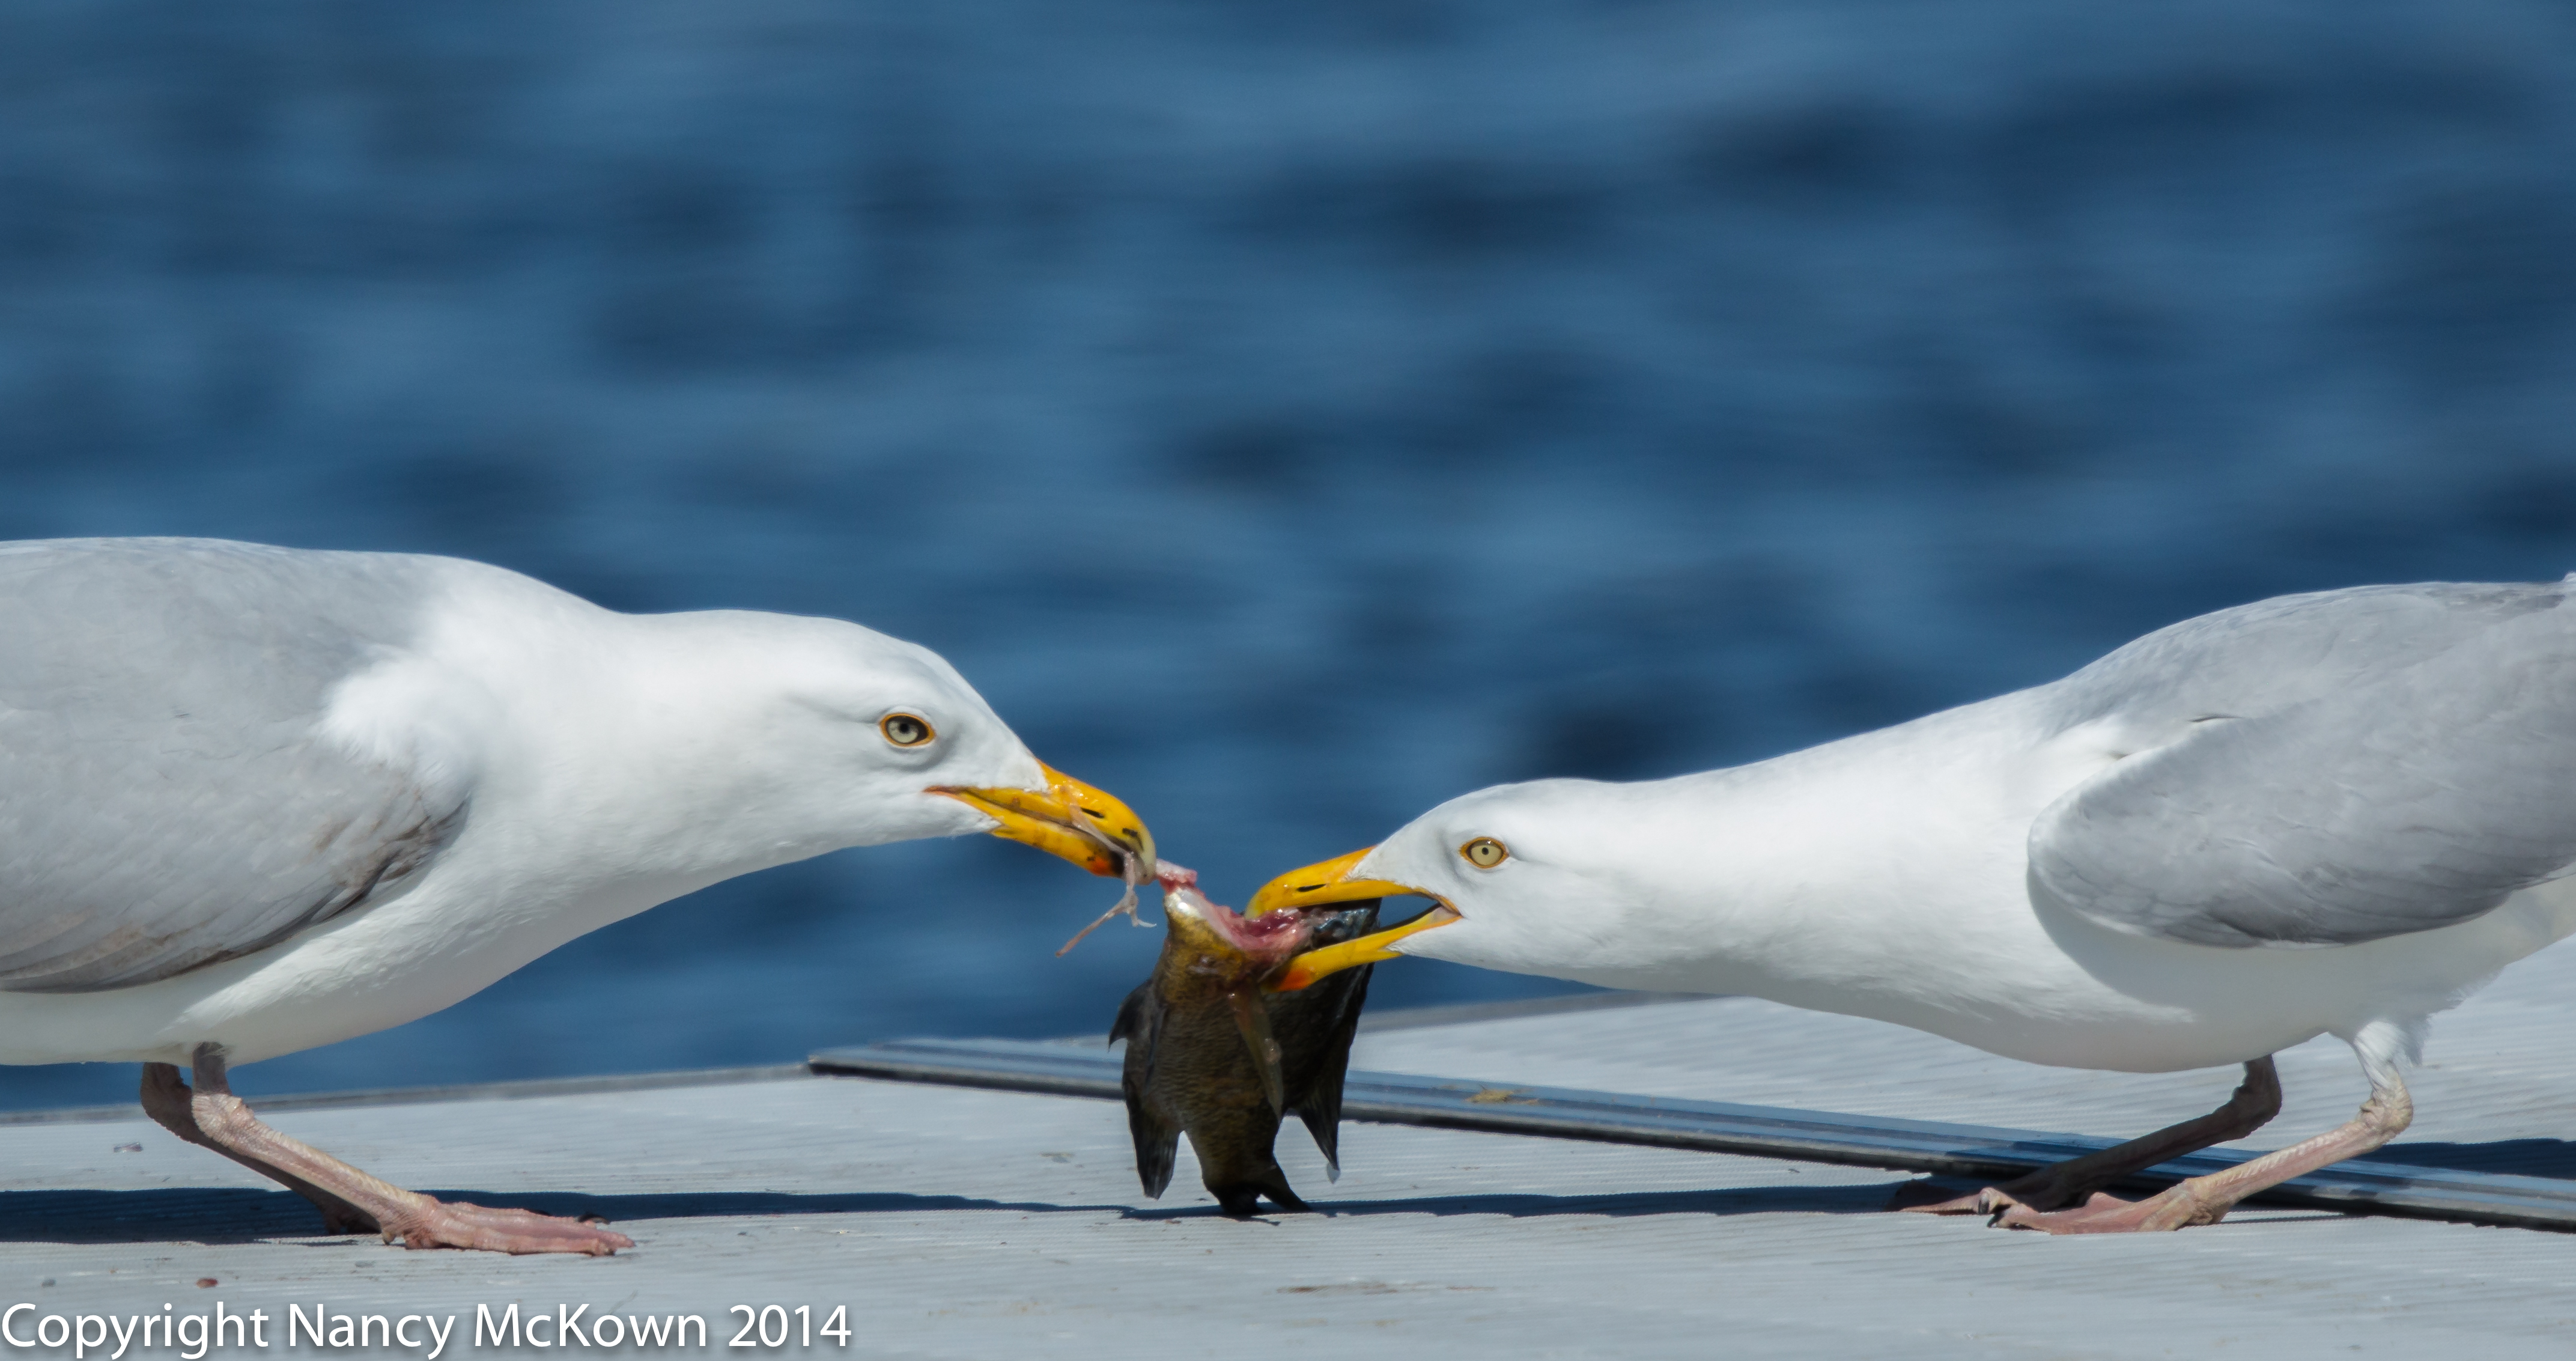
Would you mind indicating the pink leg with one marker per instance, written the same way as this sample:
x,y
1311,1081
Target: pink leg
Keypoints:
x,y
2206,1200
2256,1100
171,1105
351,1200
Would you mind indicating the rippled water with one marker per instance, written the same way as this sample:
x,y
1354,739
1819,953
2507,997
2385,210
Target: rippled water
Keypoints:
x,y
1289,415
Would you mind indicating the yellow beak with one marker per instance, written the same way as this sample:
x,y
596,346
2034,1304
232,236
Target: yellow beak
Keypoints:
x,y
1330,882
1069,819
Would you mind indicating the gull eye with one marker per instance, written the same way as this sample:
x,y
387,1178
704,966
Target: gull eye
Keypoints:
x,y
1484,853
905,730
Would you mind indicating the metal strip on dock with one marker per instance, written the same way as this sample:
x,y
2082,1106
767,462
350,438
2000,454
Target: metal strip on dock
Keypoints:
x,y
2362,1186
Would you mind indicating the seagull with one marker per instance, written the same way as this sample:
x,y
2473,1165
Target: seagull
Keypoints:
x,y
254,800
2328,814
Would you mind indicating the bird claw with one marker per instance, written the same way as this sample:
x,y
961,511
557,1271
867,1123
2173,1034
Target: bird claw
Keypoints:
x,y
1916,1197
2163,1213
459,1224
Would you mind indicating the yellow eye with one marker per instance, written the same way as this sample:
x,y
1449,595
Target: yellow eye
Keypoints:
x,y
1484,853
905,730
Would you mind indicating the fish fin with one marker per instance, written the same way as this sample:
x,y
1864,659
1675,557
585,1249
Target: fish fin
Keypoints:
x,y
1133,1020
1320,1104
1326,1127
1140,1024
1156,1145
1242,1198
1157,1137
1253,1019
1274,1184
1321,1109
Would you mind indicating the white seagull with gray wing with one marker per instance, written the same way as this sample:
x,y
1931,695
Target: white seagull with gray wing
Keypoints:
x,y
254,800
2337,813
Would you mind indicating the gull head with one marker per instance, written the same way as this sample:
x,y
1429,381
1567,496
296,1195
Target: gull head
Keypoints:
x,y
1526,878
841,736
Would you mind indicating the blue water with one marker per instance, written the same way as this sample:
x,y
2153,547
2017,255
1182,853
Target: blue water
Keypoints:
x,y
1289,415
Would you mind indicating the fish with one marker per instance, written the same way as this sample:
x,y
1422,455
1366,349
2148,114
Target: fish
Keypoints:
x,y
1214,1054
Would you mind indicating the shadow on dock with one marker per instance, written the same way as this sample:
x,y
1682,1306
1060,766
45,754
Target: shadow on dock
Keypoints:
x,y
2508,1157
241,1215
1868,1198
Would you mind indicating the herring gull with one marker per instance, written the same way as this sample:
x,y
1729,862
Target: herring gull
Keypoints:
x,y
2337,813
254,800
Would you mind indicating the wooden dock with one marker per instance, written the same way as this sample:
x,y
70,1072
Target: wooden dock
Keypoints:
x,y
950,1221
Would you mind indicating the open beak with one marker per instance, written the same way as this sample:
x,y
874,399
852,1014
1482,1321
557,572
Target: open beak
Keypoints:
x,y
1330,882
1069,819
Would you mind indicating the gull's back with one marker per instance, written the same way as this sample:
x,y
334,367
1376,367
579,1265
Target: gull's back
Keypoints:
x,y
2323,769
167,796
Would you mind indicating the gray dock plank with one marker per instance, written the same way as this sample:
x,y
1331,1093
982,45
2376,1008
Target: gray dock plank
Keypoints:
x,y
968,1223
964,1223
2426,1188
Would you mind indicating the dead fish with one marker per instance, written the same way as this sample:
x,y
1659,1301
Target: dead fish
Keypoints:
x,y
1212,1054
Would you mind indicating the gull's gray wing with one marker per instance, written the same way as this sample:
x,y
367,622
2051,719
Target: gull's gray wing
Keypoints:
x,y
166,797
2323,769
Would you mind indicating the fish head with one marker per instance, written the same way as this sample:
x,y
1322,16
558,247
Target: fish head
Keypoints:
x,y
1221,943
